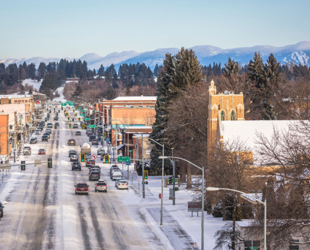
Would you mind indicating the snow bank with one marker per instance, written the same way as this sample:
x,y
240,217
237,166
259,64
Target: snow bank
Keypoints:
x,y
34,83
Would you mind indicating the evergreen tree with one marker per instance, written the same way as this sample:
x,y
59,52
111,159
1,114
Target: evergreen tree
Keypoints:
x,y
78,91
231,69
178,73
30,91
101,70
42,70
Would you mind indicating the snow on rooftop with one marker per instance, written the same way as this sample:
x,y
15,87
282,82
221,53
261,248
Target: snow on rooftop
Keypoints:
x,y
246,131
135,98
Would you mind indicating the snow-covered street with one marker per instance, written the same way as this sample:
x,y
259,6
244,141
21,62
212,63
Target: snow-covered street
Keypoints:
x,y
43,212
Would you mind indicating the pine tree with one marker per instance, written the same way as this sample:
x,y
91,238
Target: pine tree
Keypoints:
x,y
78,91
178,73
231,69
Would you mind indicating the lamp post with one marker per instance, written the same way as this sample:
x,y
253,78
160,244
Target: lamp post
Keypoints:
x,y
143,185
162,181
257,200
202,195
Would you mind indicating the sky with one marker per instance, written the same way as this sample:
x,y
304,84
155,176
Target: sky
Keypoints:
x,y
67,28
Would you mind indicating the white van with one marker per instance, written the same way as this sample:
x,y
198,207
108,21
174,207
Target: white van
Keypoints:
x,y
116,175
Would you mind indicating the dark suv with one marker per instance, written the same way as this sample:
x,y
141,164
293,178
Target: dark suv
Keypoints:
x,y
1,210
76,166
94,175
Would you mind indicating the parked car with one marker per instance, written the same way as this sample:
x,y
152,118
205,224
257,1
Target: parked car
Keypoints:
x,y
38,131
116,175
101,186
95,142
27,151
76,166
50,125
41,151
122,184
47,135
71,142
94,175
33,140
81,188
1,209
92,137
90,162
48,130
44,138
72,152
74,157
78,133
75,125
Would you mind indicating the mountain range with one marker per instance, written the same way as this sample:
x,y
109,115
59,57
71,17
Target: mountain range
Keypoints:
x,y
297,53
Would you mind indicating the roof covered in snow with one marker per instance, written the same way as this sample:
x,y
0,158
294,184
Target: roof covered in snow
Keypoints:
x,y
135,98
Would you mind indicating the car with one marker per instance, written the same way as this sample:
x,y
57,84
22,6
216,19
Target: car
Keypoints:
x,y
71,142
48,130
74,157
118,180
1,209
41,151
27,151
100,151
72,152
76,165
92,137
57,123
101,186
50,125
38,131
90,162
94,142
94,175
81,188
116,175
56,118
44,138
87,156
78,133
33,140
89,133
122,184
94,168
47,135
75,125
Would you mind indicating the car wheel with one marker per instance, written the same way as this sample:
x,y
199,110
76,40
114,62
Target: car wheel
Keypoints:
x,y
80,169
75,193
96,190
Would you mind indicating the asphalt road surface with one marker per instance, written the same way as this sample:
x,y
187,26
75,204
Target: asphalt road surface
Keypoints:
x,y
43,212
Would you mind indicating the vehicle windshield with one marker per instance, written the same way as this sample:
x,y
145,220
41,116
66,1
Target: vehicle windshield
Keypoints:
x,y
41,149
101,183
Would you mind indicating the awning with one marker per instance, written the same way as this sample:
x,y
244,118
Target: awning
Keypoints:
x,y
120,146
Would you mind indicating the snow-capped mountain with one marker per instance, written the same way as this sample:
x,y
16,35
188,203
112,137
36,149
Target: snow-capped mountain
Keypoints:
x,y
297,53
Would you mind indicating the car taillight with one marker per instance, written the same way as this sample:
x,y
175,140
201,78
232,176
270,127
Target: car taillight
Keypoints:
x,y
86,189
126,184
104,185
119,184
97,185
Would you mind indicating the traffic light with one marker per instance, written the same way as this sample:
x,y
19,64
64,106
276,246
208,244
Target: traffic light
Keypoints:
x,y
68,118
145,174
49,163
83,126
79,119
22,165
70,125
75,114
104,134
106,159
82,157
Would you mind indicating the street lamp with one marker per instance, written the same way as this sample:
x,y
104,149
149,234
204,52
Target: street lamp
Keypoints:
x,y
257,200
162,180
143,185
202,195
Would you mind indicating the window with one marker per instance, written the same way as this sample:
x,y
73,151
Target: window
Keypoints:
x,y
223,116
294,246
232,116
219,107
252,245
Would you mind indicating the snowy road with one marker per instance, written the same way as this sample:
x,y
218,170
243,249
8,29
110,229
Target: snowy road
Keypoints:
x,y
42,211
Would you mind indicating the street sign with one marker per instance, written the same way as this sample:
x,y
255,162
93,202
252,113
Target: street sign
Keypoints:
x,y
82,114
87,119
130,150
92,126
94,157
127,162
123,158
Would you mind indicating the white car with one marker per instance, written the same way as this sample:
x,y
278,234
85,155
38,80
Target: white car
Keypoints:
x,y
116,175
117,180
122,184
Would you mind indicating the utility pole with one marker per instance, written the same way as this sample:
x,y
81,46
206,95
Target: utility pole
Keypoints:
x,y
173,199
143,185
